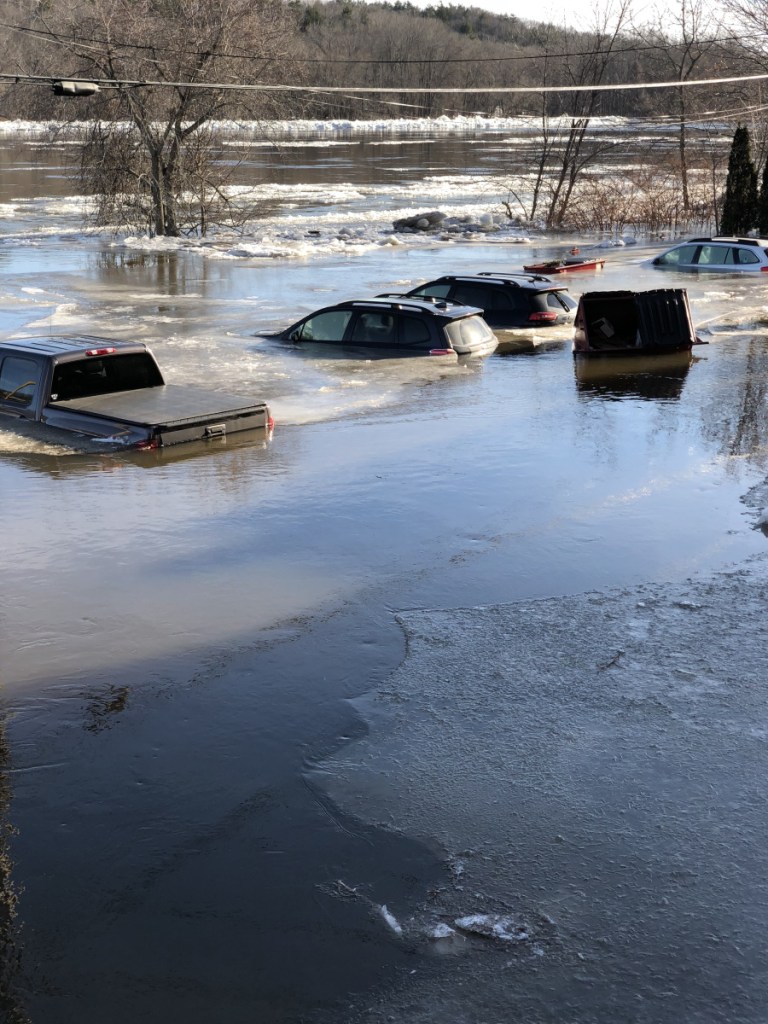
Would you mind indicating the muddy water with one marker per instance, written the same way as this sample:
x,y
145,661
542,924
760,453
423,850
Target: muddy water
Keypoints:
x,y
181,632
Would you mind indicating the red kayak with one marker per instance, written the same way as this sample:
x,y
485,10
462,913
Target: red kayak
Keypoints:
x,y
562,266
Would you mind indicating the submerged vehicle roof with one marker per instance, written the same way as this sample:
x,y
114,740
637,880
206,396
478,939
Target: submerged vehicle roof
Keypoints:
x,y
428,304
62,344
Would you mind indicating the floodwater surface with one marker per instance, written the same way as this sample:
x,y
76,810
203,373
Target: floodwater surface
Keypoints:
x,y
184,633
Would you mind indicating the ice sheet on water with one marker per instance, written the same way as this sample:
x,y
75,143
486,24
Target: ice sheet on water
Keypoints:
x,y
521,732
494,926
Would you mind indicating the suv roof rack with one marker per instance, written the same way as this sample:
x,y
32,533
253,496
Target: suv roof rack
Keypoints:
x,y
513,277
731,238
400,301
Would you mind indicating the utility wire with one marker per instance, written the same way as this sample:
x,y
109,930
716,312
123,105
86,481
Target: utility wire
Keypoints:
x,y
114,83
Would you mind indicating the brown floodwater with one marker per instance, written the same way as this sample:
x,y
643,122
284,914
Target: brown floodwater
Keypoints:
x,y
183,632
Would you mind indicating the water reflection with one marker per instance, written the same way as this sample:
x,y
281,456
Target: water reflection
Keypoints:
x,y
619,377
11,1009
736,418
246,448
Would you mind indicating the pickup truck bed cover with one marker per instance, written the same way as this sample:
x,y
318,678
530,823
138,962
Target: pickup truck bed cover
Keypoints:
x,y
168,405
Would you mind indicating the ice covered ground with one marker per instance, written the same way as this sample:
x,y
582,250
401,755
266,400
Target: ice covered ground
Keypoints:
x,y
593,768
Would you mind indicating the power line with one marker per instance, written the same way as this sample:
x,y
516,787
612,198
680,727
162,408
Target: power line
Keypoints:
x,y
114,83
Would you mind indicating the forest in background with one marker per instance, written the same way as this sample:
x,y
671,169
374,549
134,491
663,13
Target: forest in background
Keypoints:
x,y
170,70
353,44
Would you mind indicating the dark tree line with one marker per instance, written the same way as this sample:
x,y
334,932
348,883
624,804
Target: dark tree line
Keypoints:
x,y
149,154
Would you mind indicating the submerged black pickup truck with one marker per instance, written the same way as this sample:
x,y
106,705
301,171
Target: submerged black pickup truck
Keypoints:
x,y
114,392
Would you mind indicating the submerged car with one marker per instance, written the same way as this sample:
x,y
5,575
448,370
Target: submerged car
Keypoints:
x,y
741,255
396,327
508,301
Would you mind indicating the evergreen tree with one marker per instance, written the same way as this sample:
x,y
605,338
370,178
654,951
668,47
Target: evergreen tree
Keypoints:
x,y
762,204
740,199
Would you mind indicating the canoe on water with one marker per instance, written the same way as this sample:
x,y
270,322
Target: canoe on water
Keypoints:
x,y
562,266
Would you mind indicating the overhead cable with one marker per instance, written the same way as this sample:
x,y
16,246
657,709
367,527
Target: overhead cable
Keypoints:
x,y
410,90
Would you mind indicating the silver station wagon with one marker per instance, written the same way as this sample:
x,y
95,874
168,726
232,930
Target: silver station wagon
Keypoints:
x,y
727,255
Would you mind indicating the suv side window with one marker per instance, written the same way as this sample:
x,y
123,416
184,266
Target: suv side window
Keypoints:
x,y
472,295
414,331
328,326
683,254
374,328
508,299
715,255
438,291
19,379
743,256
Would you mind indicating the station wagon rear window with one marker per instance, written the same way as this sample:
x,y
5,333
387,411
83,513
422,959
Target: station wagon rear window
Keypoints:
x,y
19,379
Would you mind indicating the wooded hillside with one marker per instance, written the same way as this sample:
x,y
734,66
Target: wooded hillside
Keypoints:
x,y
352,44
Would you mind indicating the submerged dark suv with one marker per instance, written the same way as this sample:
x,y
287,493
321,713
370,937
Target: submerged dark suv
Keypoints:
x,y
396,327
508,301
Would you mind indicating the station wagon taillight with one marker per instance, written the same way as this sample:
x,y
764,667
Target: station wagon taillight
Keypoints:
x,y
539,318
100,351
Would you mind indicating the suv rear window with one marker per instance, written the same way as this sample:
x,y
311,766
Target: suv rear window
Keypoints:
x,y
472,330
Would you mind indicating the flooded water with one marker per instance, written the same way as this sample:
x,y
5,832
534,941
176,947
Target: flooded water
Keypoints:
x,y
183,632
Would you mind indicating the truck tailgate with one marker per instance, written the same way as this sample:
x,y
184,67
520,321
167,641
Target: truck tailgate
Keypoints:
x,y
173,412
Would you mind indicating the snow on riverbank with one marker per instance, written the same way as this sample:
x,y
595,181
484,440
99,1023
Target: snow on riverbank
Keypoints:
x,y
458,125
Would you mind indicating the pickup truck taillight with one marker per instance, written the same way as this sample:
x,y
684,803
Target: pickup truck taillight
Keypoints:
x,y
100,351
539,318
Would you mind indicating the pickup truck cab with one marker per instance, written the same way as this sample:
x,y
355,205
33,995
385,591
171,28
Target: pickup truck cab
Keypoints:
x,y
114,392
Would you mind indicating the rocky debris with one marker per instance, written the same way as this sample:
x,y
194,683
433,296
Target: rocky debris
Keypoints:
x,y
435,222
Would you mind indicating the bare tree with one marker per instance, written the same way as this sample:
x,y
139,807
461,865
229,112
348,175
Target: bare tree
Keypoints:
x,y
148,155
591,68
684,37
